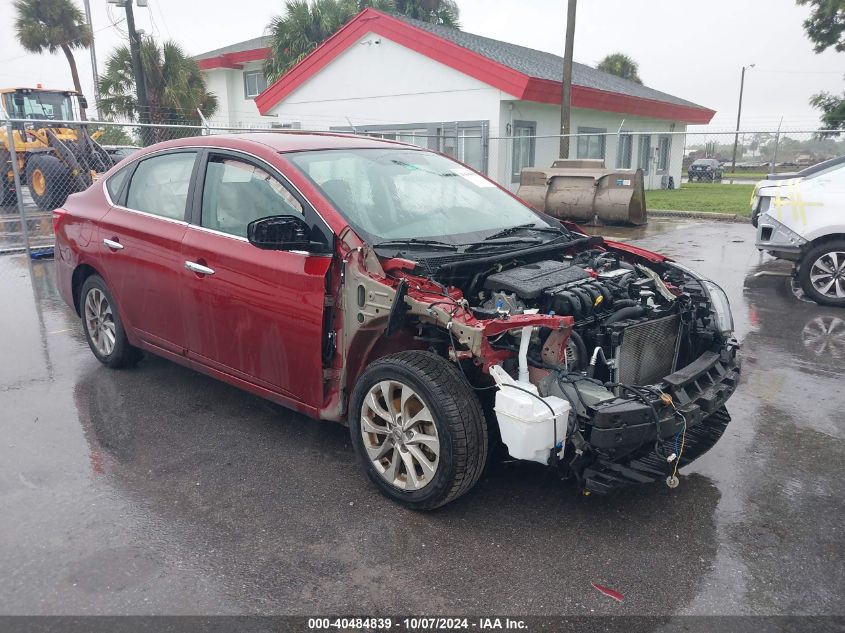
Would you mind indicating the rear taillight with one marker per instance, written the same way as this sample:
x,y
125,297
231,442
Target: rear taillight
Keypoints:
x,y
58,217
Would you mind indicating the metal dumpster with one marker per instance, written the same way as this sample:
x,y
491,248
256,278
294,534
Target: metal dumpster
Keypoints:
x,y
585,191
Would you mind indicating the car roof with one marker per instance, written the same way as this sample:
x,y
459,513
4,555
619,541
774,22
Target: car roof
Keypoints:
x,y
293,141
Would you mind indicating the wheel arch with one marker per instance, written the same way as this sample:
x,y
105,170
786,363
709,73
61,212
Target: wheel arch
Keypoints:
x,y
80,274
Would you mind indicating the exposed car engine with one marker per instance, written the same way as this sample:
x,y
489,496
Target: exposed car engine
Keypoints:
x,y
648,357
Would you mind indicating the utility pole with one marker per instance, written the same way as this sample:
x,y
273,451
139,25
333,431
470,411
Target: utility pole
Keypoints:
x,y
93,52
738,116
566,94
138,71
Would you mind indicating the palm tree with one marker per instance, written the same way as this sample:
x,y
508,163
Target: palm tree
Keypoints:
x,y
175,86
307,24
443,12
621,65
50,25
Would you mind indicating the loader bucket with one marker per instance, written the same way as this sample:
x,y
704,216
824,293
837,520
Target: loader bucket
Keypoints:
x,y
586,192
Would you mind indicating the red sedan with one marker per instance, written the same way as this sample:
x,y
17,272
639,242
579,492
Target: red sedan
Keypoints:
x,y
385,286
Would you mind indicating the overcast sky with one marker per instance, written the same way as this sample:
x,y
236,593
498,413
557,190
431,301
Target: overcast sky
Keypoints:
x,y
693,49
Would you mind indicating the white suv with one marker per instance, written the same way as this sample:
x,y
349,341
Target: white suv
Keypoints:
x,y
801,217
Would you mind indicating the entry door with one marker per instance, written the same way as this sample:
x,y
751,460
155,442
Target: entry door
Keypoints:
x,y
252,313
141,241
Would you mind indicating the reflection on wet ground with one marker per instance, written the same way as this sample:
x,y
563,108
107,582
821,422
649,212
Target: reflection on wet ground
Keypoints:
x,y
158,490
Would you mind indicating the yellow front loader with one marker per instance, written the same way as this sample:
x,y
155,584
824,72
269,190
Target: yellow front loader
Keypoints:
x,y
56,154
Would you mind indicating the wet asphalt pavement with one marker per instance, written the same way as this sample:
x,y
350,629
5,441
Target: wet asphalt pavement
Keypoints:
x,y
158,490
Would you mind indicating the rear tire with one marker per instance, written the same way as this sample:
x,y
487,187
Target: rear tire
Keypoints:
x,y
450,434
102,325
49,181
822,273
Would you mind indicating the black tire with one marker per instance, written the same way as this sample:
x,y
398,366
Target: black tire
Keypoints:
x,y
805,272
123,354
49,181
457,415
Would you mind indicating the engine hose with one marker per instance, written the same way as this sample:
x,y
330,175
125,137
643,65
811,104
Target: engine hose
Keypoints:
x,y
586,300
630,312
580,350
624,303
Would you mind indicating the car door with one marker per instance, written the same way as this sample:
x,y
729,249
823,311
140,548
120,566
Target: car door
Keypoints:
x,y
254,314
141,241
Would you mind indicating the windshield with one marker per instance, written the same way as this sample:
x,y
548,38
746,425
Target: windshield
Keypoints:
x,y
397,194
39,105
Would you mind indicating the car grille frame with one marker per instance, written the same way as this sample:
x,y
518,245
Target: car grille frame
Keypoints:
x,y
648,352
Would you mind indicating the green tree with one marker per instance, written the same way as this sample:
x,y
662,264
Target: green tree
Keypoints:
x,y
175,87
833,111
114,135
50,25
305,24
621,65
443,12
825,28
826,25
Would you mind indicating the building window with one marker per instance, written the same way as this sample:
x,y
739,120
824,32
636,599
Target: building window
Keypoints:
x,y
664,144
412,137
466,144
254,84
624,151
644,153
523,147
591,146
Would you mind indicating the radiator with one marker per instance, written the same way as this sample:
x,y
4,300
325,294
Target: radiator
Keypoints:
x,y
649,351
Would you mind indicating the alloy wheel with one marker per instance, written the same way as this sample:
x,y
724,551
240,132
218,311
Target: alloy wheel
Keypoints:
x,y
827,274
99,321
399,435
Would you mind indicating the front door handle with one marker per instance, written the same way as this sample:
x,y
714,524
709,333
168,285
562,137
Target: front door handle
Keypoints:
x,y
113,244
198,268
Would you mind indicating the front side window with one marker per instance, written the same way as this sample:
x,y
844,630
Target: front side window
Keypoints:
x,y
389,194
254,83
39,104
523,148
160,185
236,192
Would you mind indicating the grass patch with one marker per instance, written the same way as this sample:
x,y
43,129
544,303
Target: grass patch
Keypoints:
x,y
703,197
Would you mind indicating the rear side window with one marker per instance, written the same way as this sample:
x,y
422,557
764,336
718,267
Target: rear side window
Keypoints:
x,y
160,185
115,182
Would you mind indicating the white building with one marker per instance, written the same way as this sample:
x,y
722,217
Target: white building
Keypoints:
x,y
236,75
491,104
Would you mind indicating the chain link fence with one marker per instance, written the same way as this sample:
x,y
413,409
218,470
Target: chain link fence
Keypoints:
x,y
45,160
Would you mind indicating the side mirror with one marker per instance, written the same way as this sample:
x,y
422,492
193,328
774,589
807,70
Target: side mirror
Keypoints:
x,y
83,102
282,233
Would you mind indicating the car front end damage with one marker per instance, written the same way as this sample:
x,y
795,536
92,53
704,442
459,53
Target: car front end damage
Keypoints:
x,y
640,347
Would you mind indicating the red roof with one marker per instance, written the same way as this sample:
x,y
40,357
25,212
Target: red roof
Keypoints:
x,y
438,44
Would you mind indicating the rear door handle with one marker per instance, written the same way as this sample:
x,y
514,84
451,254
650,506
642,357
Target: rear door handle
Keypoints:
x,y
113,244
198,268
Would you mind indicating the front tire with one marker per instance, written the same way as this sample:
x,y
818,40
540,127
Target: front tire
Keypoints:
x,y
822,273
49,181
418,429
104,330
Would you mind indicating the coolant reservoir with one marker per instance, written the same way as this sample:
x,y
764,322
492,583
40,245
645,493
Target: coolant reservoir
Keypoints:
x,y
526,424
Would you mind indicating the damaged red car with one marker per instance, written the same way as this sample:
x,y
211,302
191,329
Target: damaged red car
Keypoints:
x,y
392,289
